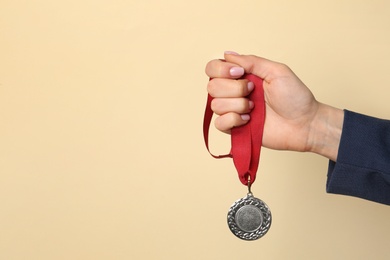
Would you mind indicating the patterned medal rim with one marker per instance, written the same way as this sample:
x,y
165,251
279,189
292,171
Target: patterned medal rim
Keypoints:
x,y
266,214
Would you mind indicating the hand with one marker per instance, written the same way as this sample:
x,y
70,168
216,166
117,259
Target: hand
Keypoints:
x,y
295,120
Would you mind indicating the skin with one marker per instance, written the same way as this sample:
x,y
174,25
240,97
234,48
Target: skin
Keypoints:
x,y
295,120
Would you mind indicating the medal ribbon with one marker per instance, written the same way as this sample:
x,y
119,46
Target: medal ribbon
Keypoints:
x,y
246,140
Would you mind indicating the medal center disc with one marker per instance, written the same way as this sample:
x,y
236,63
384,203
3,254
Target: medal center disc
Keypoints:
x,y
249,218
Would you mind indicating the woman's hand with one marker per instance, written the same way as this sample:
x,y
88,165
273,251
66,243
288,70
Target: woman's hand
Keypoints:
x,y
295,120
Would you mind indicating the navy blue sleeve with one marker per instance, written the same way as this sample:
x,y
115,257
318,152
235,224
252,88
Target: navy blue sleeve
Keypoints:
x,y
363,162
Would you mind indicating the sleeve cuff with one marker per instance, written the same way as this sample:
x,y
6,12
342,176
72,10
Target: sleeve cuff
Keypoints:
x,y
363,164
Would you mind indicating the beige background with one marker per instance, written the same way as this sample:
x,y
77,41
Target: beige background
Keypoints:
x,y
101,107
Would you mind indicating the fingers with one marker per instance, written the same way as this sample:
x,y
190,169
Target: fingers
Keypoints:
x,y
229,92
230,103
222,69
227,121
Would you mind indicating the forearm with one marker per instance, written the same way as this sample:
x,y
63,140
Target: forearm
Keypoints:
x,y
325,131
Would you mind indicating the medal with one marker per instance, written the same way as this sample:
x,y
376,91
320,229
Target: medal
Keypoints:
x,y
249,218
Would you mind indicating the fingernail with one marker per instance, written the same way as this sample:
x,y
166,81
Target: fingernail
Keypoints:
x,y
245,117
236,71
231,53
251,104
251,86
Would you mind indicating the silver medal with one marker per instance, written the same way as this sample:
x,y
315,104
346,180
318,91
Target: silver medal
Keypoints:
x,y
249,218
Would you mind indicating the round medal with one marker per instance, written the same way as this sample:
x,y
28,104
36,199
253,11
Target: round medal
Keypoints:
x,y
249,218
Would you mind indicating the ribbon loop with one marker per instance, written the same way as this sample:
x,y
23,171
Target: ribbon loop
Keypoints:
x,y
246,140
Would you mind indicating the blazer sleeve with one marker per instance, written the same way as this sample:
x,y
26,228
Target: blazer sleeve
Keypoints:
x,y
363,162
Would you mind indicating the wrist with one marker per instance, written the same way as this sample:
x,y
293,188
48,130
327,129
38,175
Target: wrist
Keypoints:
x,y
325,131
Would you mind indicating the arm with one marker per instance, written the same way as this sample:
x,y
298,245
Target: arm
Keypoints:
x,y
363,163
358,146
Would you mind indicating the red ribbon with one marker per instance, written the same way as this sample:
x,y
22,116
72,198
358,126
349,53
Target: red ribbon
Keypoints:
x,y
246,140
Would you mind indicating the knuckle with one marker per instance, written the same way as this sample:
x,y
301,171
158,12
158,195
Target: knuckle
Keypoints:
x,y
209,67
281,69
211,86
218,106
218,123
214,68
227,121
215,105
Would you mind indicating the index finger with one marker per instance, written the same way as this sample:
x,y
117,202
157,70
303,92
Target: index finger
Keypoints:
x,y
223,69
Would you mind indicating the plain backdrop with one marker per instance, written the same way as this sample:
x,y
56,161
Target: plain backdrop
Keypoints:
x,y
101,108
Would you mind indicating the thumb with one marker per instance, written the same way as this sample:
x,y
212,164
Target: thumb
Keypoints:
x,y
252,64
